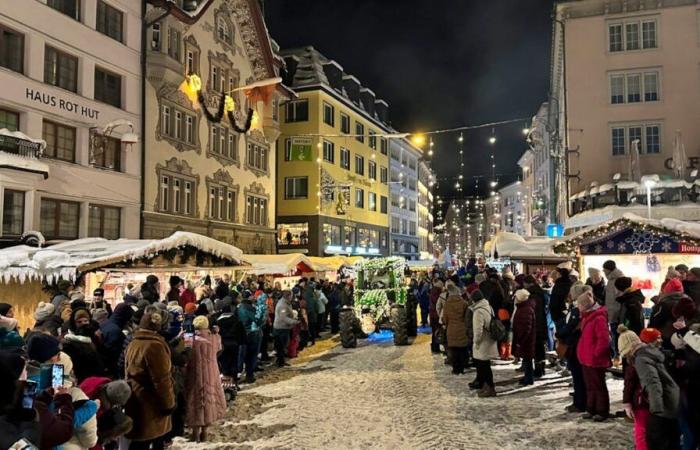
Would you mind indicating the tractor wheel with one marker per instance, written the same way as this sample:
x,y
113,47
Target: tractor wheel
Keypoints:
x,y
411,307
399,324
348,338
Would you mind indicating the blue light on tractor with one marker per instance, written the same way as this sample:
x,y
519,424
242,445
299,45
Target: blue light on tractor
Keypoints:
x,y
381,336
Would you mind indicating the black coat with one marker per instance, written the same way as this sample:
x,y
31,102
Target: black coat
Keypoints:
x,y
524,321
557,300
662,316
598,291
692,290
493,292
540,298
19,424
632,311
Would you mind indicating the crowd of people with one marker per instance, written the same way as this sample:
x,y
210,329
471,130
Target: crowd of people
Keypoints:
x,y
150,369
592,327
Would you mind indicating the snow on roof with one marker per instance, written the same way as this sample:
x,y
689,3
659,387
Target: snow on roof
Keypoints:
x,y
329,263
68,259
276,264
421,264
513,246
22,163
22,136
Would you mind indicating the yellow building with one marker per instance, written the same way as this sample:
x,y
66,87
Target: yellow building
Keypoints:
x,y
333,187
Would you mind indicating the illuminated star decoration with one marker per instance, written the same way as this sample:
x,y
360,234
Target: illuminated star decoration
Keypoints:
x,y
642,242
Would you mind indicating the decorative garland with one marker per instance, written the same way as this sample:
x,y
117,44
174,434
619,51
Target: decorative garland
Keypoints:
x,y
193,86
377,301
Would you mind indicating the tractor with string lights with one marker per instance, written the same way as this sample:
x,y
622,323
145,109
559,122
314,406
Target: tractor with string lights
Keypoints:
x,y
381,301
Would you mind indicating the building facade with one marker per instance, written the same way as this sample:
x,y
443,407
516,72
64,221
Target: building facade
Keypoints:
x,y
333,188
628,72
206,176
426,237
70,73
527,177
512,208
404,195
542,210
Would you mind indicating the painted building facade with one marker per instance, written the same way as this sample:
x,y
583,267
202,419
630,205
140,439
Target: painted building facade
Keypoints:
x,y
333,188
426,236
69,69
202,176
404,158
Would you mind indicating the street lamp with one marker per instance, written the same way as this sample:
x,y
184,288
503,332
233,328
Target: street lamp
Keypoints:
x,y
649,184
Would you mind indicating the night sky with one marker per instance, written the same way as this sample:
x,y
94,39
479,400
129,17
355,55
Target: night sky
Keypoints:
x,y
438,65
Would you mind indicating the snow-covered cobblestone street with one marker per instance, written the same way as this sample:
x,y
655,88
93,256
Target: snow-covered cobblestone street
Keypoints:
x,y
382,396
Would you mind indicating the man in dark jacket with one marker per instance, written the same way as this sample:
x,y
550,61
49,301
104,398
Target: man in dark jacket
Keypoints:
x,y
597,282
540,298
560,292
524,333
493,291
631,300
233,335
691,285
113,336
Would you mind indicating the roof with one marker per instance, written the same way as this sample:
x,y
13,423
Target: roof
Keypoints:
x,y
278,264
69,259
513,246
329,263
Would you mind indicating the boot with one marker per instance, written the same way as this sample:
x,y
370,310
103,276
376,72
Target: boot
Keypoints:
x,y
539,369
475,385
487,391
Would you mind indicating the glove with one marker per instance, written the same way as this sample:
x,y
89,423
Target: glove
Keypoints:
x,y
628,410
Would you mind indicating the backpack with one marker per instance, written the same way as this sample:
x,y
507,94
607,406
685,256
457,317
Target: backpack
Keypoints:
x,y
497,330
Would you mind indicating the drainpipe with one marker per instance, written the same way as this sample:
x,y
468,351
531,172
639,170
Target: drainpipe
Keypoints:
x,y
144,32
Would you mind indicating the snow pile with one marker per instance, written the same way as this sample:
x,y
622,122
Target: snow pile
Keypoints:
x,y
514,246
68,259
424,264
276,264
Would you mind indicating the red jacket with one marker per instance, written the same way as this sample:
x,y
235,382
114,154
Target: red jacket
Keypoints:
x,y
187,296
524,329
594,346
433,296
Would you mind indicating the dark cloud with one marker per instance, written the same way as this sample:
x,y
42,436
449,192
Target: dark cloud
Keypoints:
x,y
439,64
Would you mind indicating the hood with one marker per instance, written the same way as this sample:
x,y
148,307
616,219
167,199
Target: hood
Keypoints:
x,y
632,296
481,304
148,335
671,296
650,352
122,315
615,274
71,336
592,314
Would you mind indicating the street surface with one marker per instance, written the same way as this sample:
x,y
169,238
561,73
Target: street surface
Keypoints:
x,y
382,396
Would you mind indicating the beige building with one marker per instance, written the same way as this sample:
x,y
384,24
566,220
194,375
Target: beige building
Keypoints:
x,y
201,176
625,71
426,180
70,75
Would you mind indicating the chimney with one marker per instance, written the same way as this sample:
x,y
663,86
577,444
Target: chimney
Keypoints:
x,y
334,73
352,88
368,97
382,109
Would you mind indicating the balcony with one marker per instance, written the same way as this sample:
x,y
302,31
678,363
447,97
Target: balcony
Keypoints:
x,y
20,152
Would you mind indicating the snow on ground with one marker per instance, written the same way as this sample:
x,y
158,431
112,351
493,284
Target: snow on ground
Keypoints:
x,y
379,396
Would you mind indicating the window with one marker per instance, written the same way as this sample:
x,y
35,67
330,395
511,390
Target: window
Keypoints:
x,y
395,202
615,36
165,120
174,43
632,36
653,139
297,111
109,20
362,237
176,195
328,151
395,225
649,34
224,142
60,141
651,87
71,8
372,169
155,37
256,157
164,193
412,184
189,129
359,165
349,235
384,175
223,31
412,228
344,158
384,145
372,201
411,205
634,87
191,58
383,207
396,154
104,221
359,132
618,141
13,213
328,114
296,187
287,149
230,206
634,134
372,140
59,219
188,198
9,120
11,50
256,210
110,156
108,87
344,123
359,198
60,69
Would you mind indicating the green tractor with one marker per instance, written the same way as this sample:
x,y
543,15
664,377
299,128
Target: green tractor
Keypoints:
x,y
381,301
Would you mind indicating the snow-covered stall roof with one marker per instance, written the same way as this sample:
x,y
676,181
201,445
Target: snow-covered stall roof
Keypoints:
x,y
69,259
277,264
421,264
516,247
330,263
678,229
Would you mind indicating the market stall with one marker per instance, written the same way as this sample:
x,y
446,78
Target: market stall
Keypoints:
x,y
331,267
642,248
111,264
421,265
285,269
524,255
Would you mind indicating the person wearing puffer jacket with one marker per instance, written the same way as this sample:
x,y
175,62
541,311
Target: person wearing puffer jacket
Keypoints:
x,y
284,322
593,352
524,330
485,348
84,421
614,308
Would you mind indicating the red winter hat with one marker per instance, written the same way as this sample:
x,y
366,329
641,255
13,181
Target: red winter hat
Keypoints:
x,y
649,335
672,285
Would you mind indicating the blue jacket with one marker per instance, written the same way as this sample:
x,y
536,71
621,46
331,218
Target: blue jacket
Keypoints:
x,y
246,314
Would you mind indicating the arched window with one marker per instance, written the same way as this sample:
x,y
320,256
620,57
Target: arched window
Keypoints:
x,y
223,30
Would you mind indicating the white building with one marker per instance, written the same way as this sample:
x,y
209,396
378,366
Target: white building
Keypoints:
x,y
426,180
527,165
512,208
404,198
67,69
540,145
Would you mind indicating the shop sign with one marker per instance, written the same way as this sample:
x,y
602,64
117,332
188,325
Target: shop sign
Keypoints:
x,y
62,104
555,230
688,248
301,149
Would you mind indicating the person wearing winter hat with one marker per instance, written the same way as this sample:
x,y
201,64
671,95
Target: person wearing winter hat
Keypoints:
x,y
651,336
15,422
43,348
204,393
597,282
524,330
691,286
568,335
484,348
80,343
662,313
593,352
614,308
634,399
631,298
453,317
542,319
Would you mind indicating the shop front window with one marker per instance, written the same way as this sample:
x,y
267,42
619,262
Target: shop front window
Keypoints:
x,y
293,234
